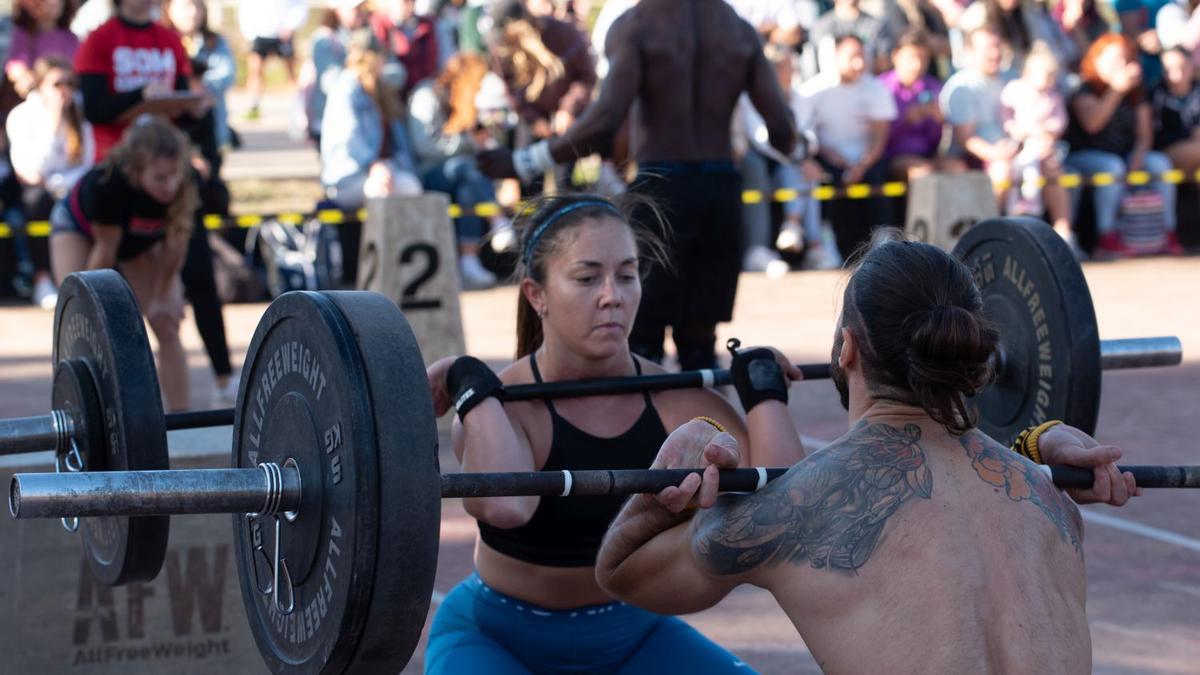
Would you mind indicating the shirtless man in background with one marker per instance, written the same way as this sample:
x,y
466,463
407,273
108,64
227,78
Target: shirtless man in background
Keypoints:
x,y
914,543
684,63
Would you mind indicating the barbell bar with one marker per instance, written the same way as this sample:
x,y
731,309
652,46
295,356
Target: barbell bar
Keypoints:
x,y
54,431
271,489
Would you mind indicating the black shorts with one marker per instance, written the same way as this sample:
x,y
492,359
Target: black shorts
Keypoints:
x,y
264,47
67,218
702,204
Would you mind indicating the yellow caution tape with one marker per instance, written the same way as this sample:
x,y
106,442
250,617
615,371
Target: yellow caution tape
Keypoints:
x,y
490,209
823,193
1071,180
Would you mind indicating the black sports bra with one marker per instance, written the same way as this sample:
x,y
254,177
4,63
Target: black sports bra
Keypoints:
x,y
567,532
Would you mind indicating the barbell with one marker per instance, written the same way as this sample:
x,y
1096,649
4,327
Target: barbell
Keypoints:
x,y
335,489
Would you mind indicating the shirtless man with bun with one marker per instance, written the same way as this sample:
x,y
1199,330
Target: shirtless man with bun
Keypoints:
x,y
685,63
913,543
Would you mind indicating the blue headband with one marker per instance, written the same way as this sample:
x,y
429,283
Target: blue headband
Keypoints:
x,y
532,241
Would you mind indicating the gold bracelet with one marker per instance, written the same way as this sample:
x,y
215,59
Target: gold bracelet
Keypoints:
x,y
1031,442
715,424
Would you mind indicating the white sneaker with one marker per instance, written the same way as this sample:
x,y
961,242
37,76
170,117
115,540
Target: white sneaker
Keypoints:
x,y
777,269
474,275
226,397
45,295
790,239
503,238
758,259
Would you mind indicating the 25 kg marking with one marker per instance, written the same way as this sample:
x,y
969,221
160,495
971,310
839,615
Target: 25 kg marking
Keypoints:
x,y
333,441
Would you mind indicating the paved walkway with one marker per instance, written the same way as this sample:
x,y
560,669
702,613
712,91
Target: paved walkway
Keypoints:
x,y
268,150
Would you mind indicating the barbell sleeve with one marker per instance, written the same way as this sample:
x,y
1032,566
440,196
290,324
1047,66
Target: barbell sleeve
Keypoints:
x,y
1146,352
38,433
53,432
265,489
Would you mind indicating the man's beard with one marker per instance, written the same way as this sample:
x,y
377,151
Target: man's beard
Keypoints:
x,y
838,374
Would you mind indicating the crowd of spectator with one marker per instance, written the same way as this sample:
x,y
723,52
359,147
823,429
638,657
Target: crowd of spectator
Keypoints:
x,y
1024,90
400,95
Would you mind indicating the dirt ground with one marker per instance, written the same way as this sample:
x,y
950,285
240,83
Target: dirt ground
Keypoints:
x,y
1143,560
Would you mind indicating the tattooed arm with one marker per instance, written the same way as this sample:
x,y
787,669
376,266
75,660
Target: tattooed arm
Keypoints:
x,y
829,512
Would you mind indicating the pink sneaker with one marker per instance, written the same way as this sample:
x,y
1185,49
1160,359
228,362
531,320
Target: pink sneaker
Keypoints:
x,y
1111,247
1173,247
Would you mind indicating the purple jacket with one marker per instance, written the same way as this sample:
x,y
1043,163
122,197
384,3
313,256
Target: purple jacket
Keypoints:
x,y
907,138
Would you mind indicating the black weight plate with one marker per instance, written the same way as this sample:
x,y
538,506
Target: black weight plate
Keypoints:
x,y
336,383
97,322
410,480
1049,361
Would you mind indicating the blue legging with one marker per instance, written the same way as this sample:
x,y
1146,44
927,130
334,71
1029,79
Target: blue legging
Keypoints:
x,y
480,630
1107,198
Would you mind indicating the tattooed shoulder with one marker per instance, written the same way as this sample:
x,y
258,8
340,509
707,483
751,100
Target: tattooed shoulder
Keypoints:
x,y
828,511
1022,481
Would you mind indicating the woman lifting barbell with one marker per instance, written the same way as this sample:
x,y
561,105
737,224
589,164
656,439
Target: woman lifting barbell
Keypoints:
x,y
135,212
533,602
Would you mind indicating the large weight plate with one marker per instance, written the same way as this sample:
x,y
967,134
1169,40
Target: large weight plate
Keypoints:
x,y
97,323
1049,360
335,381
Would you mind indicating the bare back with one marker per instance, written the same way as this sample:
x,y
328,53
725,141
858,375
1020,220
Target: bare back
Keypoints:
x,y
697,55
685,63
901,548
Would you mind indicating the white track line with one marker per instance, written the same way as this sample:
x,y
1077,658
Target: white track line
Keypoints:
x,y
1147,531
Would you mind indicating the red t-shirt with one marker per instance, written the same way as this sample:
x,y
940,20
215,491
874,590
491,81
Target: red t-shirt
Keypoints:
x,y
130,57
